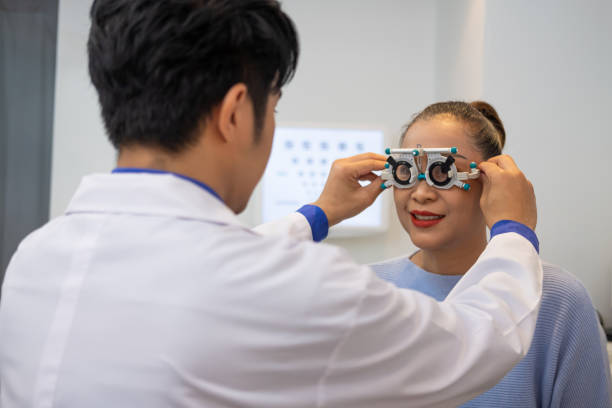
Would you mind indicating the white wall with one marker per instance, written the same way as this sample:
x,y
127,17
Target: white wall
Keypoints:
x,y
545,65
363,62
459,49
79,142
547,68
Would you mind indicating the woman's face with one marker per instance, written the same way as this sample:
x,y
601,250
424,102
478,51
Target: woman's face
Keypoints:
x,y
458,218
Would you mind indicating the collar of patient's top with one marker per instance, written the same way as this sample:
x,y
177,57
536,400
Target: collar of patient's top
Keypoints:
x,y
146,193
432,284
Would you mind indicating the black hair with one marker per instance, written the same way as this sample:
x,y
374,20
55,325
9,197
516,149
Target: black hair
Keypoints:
x,y
481,118
160,67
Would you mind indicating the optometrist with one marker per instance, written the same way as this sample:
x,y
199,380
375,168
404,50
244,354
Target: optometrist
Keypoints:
x,y
148,291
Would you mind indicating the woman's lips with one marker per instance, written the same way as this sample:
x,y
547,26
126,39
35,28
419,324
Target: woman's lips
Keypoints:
x,y
425,219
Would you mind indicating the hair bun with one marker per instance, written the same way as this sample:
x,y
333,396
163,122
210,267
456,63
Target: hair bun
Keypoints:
x,y
490,113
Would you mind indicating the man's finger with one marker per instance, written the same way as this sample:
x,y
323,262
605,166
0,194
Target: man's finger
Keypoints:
x,y
366,156
489,168
484,178
373,189
363,167
368,177
505,162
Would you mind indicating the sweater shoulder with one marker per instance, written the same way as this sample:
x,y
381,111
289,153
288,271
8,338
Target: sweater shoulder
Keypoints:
x,y
561,286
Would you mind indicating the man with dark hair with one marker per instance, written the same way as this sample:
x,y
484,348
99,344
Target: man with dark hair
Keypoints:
x,y
161,67
148,292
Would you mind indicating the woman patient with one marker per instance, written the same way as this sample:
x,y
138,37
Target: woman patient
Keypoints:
x,y
567,364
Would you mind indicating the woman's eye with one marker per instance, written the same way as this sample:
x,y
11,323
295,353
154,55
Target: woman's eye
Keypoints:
x,y
403,173
438,174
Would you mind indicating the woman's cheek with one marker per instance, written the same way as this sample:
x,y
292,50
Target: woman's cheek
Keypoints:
x,y
401,197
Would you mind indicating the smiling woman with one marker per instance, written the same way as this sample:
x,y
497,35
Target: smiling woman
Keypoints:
x,y
460,225
567,364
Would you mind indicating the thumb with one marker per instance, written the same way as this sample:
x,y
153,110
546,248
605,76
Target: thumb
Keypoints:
x,y
490,170
485,180
486,166
373,189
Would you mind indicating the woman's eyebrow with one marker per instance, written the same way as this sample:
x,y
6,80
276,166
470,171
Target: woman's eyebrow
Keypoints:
x,y
462,163
456,155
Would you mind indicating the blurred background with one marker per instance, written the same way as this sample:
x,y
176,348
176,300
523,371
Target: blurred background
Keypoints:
x,y
544,65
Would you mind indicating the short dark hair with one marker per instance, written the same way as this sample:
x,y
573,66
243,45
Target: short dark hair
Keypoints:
x,y
482,120
160,67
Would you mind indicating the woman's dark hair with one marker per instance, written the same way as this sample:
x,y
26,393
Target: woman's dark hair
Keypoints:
x,y
161,66
481,119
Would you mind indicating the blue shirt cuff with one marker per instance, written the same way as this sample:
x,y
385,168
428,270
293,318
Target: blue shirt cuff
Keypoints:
x,y
317,220
503,226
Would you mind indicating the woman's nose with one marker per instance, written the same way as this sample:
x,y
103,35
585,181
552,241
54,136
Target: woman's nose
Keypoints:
x,y
423,192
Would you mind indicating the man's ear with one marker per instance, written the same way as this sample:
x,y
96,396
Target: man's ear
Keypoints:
x,y
233,111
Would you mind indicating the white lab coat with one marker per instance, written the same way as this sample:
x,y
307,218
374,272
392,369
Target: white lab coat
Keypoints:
x,y
149,292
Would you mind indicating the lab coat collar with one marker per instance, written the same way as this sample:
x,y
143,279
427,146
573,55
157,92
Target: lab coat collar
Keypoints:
x,y
155,171
149,194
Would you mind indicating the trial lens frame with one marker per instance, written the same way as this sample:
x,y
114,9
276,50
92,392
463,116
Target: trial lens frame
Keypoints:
x,y
403,166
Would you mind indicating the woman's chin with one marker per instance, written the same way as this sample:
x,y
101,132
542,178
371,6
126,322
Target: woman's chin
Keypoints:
x,y
427,242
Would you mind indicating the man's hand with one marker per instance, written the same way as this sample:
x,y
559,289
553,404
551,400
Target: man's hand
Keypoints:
x,y
343,197
506,193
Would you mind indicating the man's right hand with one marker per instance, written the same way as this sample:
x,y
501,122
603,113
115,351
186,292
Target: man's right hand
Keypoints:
x,y
506,193
343,197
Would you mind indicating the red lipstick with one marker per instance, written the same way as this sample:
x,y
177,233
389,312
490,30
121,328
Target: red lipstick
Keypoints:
x,y
425,219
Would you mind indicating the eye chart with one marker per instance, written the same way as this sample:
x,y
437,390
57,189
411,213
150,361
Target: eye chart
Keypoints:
x,y
299,164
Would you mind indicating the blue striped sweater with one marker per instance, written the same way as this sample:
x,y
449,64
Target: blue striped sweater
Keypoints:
x,y
567,363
